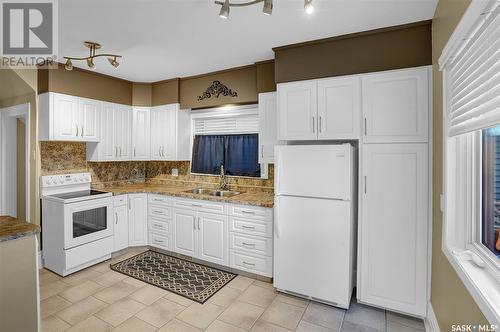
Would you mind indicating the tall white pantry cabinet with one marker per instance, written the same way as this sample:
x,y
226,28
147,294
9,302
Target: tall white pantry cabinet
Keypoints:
x,y
389,112
394,191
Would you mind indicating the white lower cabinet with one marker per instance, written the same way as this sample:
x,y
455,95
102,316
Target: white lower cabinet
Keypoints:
x,y
121,227
138,219
184,236
236,236
392,270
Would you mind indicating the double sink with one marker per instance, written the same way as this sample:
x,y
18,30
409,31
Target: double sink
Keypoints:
x,y
212,192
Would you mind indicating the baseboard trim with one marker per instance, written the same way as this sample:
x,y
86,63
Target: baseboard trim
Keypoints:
x,y
430,322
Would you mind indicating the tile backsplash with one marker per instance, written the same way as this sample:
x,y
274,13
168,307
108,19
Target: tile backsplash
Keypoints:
x,y
70,157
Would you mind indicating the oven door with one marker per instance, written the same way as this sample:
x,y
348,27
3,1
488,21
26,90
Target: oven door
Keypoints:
x,y
87,221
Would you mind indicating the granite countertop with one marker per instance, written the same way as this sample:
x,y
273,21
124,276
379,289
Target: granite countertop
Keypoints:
x,y
255,198
12,228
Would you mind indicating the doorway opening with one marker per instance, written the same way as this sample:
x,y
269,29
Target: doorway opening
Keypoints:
x,y
14,161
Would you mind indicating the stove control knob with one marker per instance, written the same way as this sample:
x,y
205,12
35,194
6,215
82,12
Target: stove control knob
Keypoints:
x,y
47,182
54,181
81,178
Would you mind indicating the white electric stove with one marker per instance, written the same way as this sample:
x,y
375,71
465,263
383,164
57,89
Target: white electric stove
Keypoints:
x,y
77,227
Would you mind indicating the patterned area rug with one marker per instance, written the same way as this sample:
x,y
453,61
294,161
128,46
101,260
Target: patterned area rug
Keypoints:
x,y
194,281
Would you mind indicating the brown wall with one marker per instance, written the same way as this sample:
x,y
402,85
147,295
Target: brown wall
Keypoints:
x,y
265,76
142,94
451,301
382,49
166,92
84,83
242,80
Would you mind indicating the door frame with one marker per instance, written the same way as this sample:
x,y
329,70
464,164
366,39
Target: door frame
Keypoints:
x,y
21,111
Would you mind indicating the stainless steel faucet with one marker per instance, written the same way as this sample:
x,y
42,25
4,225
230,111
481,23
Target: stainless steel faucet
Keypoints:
x,y
222,179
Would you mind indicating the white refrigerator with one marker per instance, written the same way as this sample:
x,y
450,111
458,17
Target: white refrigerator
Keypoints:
x,y
314,222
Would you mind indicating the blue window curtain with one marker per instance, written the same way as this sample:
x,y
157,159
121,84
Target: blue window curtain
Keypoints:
x,y
208,154
241,157
237,153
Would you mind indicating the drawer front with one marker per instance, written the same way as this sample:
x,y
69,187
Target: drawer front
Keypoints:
x,y
200,205
256,264
120,200
157,211
251,227
159,241
160,199
159,225
253,212
251,244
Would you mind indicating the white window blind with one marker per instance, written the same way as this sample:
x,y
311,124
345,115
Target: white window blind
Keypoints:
x,y
474,77
243,124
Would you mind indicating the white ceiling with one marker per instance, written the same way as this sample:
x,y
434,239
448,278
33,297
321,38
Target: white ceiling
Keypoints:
x,y
161,39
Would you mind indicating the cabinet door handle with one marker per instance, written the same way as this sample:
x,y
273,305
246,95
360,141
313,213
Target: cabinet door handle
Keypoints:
x,y
262,151
134,151
314,121
194,223
120,151
365,126
82,130
251,245
250,264
199,223
365,184
116,218
129,204
77,130
320,125
247,227
116,151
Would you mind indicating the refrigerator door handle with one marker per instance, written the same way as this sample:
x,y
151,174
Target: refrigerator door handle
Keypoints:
x,y
277,233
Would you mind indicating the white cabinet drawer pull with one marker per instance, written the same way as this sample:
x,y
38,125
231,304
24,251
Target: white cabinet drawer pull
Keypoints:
x,y
158,200
158,225
196,205
159,211
247,212
247,227
251,245
158,241
250,264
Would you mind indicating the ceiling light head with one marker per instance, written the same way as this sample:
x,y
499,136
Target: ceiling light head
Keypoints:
x,y
224,10
268,7
308,6
113,62
90,63
68,65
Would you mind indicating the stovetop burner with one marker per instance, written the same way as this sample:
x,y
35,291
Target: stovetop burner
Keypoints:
x,y
78,194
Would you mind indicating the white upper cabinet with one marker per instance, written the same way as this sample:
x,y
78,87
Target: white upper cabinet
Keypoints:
x,y
122,132
268,127
116,129
68,118
339,108
392,247
396,106
170,133
141,133
297,111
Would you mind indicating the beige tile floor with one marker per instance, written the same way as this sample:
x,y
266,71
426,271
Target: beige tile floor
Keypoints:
x,y
98,299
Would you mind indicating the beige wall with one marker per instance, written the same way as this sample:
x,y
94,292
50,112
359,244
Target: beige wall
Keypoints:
x,y
142,94
452,303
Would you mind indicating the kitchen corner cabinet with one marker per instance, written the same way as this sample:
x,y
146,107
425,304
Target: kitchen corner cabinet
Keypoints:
x,y
325,109
116,142
396,106
121,226
138,219
268,127
169,138
68,118
141,133
392,246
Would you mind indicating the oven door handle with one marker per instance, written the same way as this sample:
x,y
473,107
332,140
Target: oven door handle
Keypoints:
x,y
116,218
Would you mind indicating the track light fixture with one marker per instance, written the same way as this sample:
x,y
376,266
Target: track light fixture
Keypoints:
x,y
92,46
268,7
224,10
308,6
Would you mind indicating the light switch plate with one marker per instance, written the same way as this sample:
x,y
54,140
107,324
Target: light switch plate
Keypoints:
x,y
175,172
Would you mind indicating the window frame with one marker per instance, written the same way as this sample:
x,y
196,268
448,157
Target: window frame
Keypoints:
x,y
226,112
476,266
